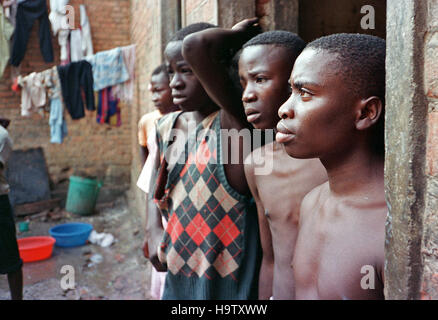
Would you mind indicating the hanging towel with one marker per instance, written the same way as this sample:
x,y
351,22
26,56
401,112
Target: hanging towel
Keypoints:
x,y
27,13
75,78
58,125
108,68
125,91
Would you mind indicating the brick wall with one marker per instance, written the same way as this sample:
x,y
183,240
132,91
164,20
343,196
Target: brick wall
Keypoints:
x,y
91,148
146,34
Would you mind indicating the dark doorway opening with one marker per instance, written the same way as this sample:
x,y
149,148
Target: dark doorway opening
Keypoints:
x,y
319,18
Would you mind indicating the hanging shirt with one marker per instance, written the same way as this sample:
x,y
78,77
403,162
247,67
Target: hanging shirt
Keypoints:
x,y
75,78
108,68
33,93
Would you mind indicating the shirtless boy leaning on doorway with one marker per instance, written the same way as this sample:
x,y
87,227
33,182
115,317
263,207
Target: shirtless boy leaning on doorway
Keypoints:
x,y
336,114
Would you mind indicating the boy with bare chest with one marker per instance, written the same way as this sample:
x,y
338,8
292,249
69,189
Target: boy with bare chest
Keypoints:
x,y
335,113
264,67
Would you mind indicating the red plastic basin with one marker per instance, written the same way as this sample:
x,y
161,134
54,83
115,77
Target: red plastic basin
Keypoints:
x,y
35,248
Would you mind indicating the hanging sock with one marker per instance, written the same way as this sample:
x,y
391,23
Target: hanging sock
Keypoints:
x,y
27,13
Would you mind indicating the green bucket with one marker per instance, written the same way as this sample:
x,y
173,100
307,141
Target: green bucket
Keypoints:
x,y
82,195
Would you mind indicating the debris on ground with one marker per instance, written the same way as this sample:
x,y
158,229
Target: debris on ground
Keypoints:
x,y
117,272
94,260
102,239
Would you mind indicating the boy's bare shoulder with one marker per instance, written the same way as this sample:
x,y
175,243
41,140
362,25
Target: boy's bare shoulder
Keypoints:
x,y
166,122
257,158
312,200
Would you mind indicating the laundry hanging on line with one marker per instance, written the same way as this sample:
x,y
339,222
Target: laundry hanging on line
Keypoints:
x,y
76,81
58,19
108,109
27,13
77,78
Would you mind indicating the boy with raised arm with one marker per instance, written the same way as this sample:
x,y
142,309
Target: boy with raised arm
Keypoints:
x,y
210,245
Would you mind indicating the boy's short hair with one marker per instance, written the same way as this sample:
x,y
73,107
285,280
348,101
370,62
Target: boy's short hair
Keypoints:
x,y
361,62
160,69
191,28
280,38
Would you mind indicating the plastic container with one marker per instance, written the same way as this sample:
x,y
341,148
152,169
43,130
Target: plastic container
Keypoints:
x,y
71,234
23,226
82,195
35,248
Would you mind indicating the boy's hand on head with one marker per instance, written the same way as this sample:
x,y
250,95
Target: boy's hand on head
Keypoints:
x,y
250,27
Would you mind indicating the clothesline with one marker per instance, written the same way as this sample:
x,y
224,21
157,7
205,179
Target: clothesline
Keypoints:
x,y
109,73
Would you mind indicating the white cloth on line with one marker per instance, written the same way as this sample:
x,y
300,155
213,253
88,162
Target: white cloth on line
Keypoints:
x,y
33,93
76,45
87,43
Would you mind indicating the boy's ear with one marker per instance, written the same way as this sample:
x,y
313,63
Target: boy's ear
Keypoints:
x,y
368,112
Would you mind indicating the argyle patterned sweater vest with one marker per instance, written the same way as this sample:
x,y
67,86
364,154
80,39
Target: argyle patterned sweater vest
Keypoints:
x,y
211,244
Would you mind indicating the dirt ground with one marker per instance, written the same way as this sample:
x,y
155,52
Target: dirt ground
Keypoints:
x,y
118,272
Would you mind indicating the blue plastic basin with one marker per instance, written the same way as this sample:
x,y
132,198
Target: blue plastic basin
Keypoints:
x,y
71,234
